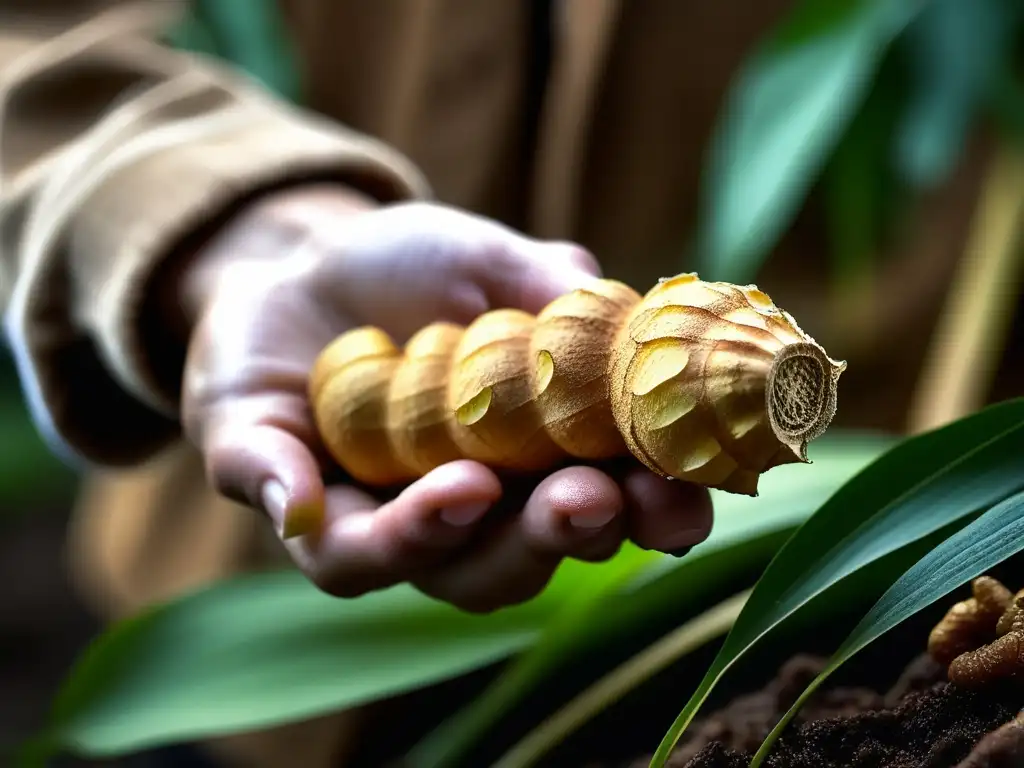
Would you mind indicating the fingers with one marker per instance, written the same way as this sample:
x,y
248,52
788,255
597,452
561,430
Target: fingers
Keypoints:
x,y
528,274
666,515
446,535
576,512
268,468
440,533
464,265
367,545
437,534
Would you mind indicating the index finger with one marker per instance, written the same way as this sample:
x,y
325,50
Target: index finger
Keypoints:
x,y
268,468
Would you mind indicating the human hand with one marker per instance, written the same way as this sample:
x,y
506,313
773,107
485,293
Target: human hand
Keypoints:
x,y
293,272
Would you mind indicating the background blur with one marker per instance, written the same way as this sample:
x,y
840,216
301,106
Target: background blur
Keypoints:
x,y
43,624
954,68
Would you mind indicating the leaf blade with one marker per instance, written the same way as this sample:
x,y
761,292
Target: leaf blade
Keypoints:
x,y
984,543
601,694
202,665
786,112
956,50
989,444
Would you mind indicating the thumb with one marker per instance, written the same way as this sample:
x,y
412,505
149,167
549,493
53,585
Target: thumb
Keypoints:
x,y
528,274
269,469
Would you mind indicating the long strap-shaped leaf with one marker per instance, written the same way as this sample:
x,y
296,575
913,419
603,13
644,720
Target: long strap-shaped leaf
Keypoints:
x,y
913,491
787,110
266,649
691,635
986,542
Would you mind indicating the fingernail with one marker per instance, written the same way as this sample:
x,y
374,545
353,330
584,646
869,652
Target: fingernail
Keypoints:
x,y
464,514
591,521
302,520
275,500
295,520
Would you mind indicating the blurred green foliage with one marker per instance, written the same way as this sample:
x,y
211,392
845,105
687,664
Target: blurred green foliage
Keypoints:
x,y
250,35
31,476
790,105
873,100
271,648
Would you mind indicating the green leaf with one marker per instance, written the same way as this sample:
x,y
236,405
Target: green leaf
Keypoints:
x,y
249,35
560,637
784,115
919,487
957,49
746,531
693,633
860,193
1006,104
986,542
30,474
266,649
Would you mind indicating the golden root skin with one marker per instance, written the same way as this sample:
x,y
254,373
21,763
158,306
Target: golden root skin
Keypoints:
x,y
971,622
981,640
700,381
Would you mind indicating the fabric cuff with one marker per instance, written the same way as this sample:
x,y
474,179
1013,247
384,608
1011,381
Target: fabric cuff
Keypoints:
x,y
127,225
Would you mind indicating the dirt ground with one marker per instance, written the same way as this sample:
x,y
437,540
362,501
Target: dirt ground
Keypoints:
x,y
921,722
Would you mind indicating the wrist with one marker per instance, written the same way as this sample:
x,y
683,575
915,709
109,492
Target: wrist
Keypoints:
x,y
257,233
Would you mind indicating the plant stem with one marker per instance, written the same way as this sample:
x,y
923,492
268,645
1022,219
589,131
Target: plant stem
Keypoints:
x,y
632,673
971,332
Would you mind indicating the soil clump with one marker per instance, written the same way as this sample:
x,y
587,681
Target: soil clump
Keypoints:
x,y
921,722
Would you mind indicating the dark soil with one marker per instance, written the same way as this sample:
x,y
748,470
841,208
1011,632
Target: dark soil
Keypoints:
x,y
921,722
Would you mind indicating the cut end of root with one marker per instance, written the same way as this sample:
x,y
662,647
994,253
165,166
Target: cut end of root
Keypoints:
x,y
801,395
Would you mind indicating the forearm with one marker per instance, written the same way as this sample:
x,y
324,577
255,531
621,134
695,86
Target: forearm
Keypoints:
x,y
258,232
103,193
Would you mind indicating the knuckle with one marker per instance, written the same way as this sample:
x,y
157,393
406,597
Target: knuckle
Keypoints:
x,y
581,257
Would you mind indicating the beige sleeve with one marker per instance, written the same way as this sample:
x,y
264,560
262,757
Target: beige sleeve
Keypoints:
x,y
113,148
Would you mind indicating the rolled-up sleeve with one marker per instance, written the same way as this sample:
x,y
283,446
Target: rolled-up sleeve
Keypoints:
x,y
113,149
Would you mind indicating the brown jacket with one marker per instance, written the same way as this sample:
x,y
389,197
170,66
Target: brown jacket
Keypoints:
x,y
113,147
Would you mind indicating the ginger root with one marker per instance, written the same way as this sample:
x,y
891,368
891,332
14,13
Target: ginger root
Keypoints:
x,y
1012,615
1000,660
700,381
970,623
981,639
